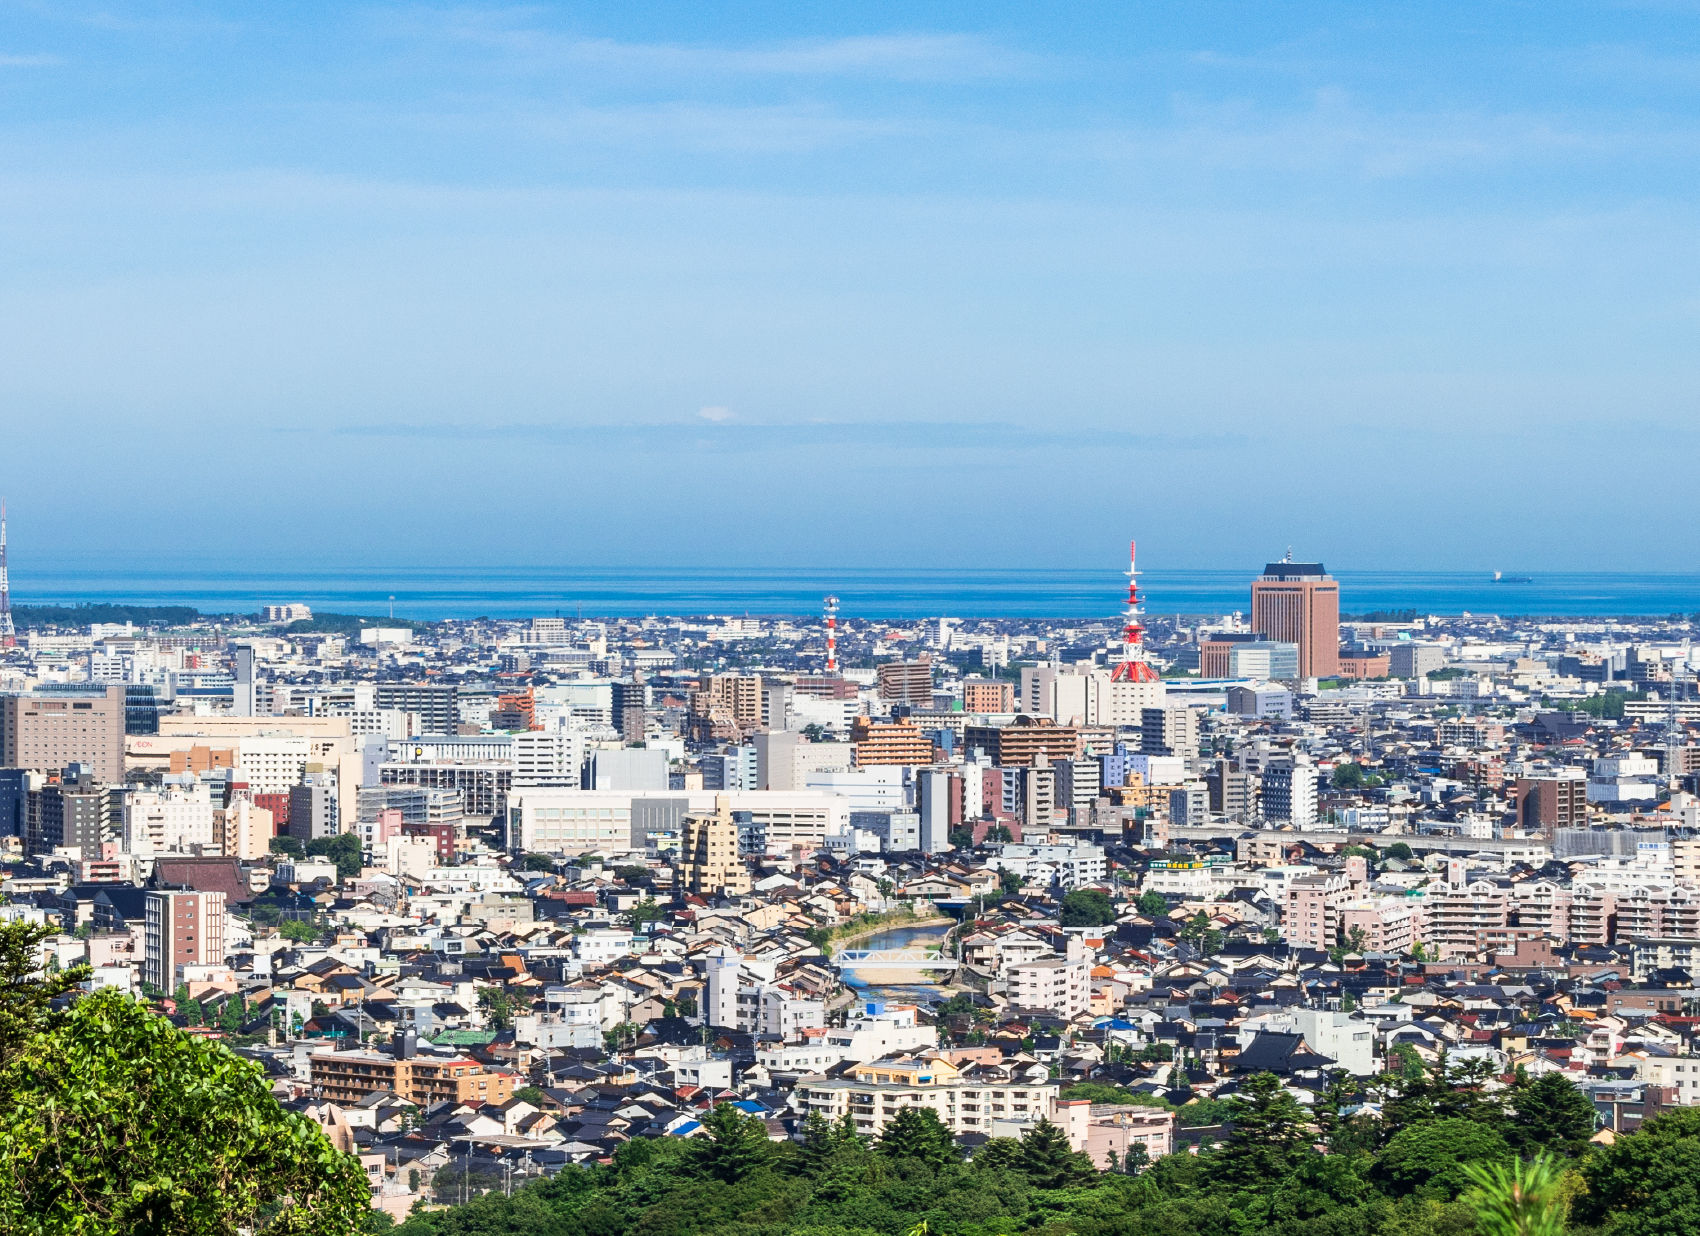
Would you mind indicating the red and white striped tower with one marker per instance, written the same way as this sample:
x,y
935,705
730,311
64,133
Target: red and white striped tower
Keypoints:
x,y
832,635
1133,667
8,634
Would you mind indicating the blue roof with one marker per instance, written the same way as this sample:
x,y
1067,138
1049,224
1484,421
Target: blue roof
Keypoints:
x,y
750,1106
686,1129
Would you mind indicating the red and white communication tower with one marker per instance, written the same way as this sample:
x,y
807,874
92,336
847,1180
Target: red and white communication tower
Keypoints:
x,y
1133,667
832,635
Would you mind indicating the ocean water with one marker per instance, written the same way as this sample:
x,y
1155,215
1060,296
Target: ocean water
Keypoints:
x,y
498,592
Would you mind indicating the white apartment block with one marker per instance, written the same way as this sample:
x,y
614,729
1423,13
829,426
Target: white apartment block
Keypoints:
x,y
177,818
1053,985
965,1101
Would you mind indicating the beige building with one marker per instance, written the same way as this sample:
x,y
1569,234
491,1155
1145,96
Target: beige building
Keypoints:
x,y
181,929
1056,985
47,732
709,861
968,1100
245,831
348,1076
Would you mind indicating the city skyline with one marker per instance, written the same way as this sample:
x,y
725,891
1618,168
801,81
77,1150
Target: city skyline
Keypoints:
x,y
1383,285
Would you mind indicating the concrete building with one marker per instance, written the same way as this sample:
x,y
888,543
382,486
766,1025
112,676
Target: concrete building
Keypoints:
x,y
181,929
1289,791
1171,730
784,760
1410,659
77,812
875,1092
177,817
1298,603
939,797
907,682
45,732
1056,985
630,769
314,809
436,703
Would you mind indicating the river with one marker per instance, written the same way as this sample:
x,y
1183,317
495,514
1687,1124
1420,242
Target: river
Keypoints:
x,y
913,989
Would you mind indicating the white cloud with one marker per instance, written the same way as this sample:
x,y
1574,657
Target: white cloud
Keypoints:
x,y
716,414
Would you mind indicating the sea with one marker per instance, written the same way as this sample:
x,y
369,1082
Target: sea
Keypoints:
x,y
501,592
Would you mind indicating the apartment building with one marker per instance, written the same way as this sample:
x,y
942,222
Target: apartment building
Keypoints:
x,y
897,742
1056,985
1019,745
346,1077
986,695
965,1100
709,860
181,929
907,682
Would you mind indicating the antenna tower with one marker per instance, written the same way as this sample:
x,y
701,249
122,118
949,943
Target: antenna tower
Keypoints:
x,y
832,635
1133,667
8,634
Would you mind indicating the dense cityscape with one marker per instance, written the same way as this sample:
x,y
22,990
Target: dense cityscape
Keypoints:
x,y
489,899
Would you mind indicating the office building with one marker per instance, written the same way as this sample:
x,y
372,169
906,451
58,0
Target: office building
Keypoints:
x,y
1078,786
709,859
1409,659
78,813
181,929
45,732
734,769
1298,603
897,830
785,760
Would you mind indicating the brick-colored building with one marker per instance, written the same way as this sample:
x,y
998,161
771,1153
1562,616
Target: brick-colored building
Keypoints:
x,y
987,695
46,732
1298,603
1015,746
349,1076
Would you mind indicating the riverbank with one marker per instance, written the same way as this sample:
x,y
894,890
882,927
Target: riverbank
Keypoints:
x,y
865,925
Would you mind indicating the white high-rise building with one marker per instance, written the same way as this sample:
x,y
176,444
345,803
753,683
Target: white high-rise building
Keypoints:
x,y
1289,791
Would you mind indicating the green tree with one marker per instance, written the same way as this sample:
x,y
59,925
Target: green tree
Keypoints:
x,y
1400,851
26,992
1086,907
343,850
1518,1198
962,838
1199,933
645,911
998,1154
1010,882
1550,1114
537,862
287,845
1049,1162
113,1122
1153,903
632,873
1428,1160
530,1094
736,1146
299,931
1645,1184
917,1133
1271,1134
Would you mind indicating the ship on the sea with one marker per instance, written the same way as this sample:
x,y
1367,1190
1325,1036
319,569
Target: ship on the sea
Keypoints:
x,y
1500,577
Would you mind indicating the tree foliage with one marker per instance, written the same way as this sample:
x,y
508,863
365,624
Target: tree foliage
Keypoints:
x,y
1086,907
115,1122
26,993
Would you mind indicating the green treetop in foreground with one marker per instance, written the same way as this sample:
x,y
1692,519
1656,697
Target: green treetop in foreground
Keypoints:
x,y
115,1123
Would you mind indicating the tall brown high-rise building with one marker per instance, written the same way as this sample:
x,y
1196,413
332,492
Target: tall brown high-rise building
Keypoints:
x,y
1297,603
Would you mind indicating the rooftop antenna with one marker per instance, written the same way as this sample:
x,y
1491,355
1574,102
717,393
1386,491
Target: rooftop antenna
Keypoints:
x,y
831,608
8,633
1133,667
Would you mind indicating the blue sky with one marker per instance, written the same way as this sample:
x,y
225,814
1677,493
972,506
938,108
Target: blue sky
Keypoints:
x,y
919,285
